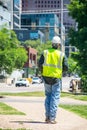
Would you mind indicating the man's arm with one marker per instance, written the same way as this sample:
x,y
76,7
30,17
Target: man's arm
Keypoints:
x,y
40,63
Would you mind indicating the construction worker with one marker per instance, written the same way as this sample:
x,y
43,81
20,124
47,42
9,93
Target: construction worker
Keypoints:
x,y
51,63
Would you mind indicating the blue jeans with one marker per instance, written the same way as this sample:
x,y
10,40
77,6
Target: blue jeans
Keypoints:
x,y
52,93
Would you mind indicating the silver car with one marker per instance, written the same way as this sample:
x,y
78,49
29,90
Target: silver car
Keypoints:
x,y
36,80
22,82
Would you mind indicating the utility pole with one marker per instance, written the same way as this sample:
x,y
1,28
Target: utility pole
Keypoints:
x,y
20,10
61,11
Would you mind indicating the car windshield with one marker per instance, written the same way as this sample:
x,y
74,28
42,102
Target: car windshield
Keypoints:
x,y
35,78
22,80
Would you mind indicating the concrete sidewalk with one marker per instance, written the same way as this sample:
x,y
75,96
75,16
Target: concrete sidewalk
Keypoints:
x,y
33,107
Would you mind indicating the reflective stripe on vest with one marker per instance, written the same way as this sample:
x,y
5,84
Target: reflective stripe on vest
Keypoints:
x,y
56,66
49,68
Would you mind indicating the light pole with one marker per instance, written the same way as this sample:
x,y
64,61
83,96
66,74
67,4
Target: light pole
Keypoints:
x,y
61,10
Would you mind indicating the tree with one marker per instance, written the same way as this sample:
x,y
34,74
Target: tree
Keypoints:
x,y
37,45
78,38
72,67
12,55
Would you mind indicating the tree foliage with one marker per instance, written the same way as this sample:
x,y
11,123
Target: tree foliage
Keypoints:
x,y
36,44
78,38
78,10
12,55
72,67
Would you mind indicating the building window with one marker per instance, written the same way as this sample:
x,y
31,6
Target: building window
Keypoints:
x,y
58,2
34,57
54,5
10,24
35,2
38,5
30,56
1,17
20,36
45,6
55,2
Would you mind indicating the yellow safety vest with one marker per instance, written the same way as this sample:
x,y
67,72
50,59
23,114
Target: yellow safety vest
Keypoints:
x,y
52,66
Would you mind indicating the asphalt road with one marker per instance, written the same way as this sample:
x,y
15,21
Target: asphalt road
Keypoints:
x,y
33,87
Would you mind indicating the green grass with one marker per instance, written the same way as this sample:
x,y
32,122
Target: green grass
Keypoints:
x,y
17,129
36,94
77,97
41,94
80,110
7,110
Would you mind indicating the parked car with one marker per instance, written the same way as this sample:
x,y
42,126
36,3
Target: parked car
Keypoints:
x,y
36,80
22,82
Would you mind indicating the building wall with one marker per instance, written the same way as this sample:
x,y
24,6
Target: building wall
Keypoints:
x,y
16,13
25,34
5,18
31,63
32,58
48,24
49,5
40,4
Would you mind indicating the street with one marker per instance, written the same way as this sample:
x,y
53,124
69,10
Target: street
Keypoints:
x,y
33,87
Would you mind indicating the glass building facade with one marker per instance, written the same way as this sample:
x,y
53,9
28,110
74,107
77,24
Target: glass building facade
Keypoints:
x,y
48,24
50,5
16,13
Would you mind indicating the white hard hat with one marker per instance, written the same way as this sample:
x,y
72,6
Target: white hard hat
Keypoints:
x,y
56,40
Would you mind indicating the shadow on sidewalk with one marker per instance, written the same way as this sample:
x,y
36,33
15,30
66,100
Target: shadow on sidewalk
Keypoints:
x,y
22,122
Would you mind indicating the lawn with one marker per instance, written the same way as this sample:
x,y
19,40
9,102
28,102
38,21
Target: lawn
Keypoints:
x,y
7,110
41,94
80,110
77,97
36,94
16,129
